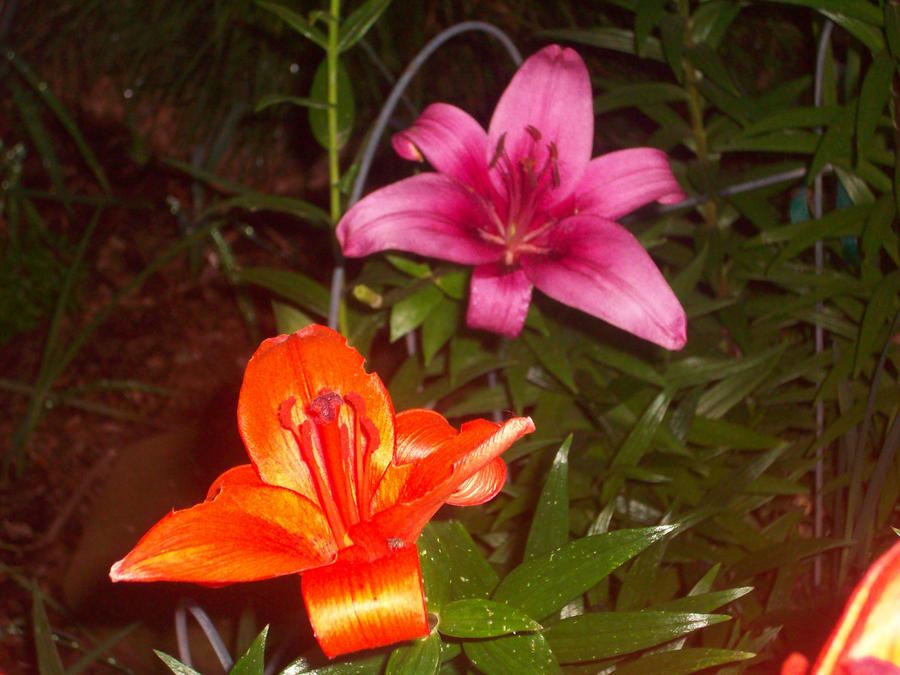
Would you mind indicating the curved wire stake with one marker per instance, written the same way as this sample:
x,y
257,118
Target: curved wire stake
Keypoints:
x,y
202,618
337,276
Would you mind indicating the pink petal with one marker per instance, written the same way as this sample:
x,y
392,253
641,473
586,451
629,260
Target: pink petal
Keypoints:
x,y
550,92
620,182
429,214
498,299
600,268
451,141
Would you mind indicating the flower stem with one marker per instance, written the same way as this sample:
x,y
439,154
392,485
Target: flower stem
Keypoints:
x,y
334,168
695,110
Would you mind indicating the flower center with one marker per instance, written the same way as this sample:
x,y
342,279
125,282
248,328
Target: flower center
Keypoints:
x,y
526,181
335,439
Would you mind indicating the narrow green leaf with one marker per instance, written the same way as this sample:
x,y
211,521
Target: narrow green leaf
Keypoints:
x,y
704,602
296,21
553,356
480,618
64,118
359,22
671,30
356,665
639,438
778,555
409,313
296,287
682,661
870,35
441,324
882,307
48,659
550,526
174,664
422,657
624,362
873,96
30,117
469,574
711,65
718,432
419,270
512,655
647,16
95,653
795,117
723,396
892,27
252,661
276,99
857,9
603,635
836,142
346,106
616,39
625,96
544,585
255,202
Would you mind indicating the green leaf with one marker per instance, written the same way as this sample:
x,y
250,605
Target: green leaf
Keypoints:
x,y
873,96
682,661
704,602
409,313
371,665
625,96
255,202
410,267
276,99
293,286
638,441
252,661
836,141
616,39
647,16
603,635
297,22
469,574
512,655
289,319
892,27
48,659
708,62
422,657
174,664
43,91
480,618
781,554
857,9
359,22
440,325
553,356
882,306
318,118
550,526
544,585
624,362
671,30
717,432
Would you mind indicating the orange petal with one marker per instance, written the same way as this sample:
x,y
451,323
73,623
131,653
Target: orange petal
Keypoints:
x,y
869,629
245,533
795,664
419,489
481,486
363,605
303,365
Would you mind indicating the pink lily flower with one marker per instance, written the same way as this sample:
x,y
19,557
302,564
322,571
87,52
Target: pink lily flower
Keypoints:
x,y
527,206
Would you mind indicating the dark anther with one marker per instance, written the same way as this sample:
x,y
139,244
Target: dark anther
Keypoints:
x,y
533,132
324,407
498,153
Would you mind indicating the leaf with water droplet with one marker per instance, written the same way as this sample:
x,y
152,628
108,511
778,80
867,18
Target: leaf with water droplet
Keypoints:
x,y
479,618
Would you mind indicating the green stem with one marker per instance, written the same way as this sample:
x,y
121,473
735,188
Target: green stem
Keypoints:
x,y
695,110
334,171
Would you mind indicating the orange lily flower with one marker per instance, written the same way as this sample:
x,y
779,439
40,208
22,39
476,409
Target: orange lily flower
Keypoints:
x,y
339,489
866,640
